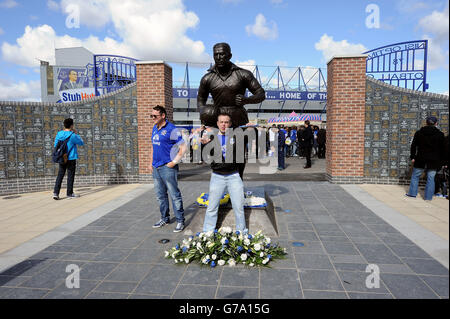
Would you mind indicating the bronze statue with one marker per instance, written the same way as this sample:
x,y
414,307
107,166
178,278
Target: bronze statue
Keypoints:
x,y
227,83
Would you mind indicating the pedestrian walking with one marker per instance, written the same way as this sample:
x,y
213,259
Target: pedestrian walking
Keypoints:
x,y
73,140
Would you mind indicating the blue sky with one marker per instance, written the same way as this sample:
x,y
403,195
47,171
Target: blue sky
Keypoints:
x,y
266,32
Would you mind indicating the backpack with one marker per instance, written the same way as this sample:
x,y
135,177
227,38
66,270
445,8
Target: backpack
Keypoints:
x,y
60,153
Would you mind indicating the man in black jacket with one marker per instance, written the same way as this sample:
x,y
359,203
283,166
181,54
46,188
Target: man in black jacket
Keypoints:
x,y
307,140
321,140
427,153
225,175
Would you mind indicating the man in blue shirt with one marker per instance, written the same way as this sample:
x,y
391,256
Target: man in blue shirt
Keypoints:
x,y
168,149
74,140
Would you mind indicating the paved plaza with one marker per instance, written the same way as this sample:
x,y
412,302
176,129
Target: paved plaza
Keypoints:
x,y
331,232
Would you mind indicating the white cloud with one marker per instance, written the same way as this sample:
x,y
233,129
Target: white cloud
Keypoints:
x,y
437,24
262,29
25,91
157,31
248,65
52,5
331,48
8,4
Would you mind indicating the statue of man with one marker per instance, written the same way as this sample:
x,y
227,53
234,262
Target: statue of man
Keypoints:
x,y
227,83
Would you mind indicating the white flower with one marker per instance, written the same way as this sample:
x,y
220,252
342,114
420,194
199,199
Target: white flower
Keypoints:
x,y
210,244
199,245
209,234
257,247
227,230
190,239
261,254
246,242
258,233
221,231
221,262
251,264
231,262
223,240
214,257
265,261
241,237
267,240
244,257
176,261
166,253
175,253
186,260
233,238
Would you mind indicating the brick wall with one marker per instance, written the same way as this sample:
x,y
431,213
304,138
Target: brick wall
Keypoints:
x,y
345,118
154,87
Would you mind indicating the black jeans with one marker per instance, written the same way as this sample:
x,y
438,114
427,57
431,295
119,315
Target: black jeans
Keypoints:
x,y
70,167
308,155
322,151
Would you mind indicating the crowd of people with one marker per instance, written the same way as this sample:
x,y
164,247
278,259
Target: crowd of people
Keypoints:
x,y
304,142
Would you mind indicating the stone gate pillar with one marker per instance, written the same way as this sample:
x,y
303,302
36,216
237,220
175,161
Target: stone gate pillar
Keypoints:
x,y
154,87
346,90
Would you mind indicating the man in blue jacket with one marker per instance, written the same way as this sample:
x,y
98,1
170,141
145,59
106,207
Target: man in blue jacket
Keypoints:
x,y
74,140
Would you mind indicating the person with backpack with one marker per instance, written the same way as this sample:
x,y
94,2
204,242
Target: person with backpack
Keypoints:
x,y
66,155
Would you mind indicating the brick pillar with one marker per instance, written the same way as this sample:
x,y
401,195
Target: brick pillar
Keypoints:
x,y
346,90
154,87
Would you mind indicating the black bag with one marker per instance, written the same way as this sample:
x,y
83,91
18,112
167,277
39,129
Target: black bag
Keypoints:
x,y
60,153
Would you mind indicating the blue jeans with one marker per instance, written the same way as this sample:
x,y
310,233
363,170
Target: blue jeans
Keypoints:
x,y
165,180
281,156
429,187
217,187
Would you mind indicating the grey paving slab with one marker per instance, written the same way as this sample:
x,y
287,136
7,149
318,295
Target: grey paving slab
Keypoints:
x,y
107,295
24,293
315,294
194,292
303,235
378,254
143,255
111,254
361,295
12,281
237,293
161,280
392,238
336,239
300,226
426,266
309,247
96,270
246,277
199,275
438,283
356,282
350,266
28,267
126,242
115,286
407,287
320,280
337,248
48,278
62,292
128,272
348,259
313,261
395,269
78,257
280,284
143,296
411,251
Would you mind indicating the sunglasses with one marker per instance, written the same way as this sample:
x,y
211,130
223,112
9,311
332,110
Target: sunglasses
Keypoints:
x,y
154,116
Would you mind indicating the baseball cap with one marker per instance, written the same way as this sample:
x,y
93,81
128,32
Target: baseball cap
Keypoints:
x,y
431,119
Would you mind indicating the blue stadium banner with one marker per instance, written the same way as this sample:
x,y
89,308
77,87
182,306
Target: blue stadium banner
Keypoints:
x,y
181,93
